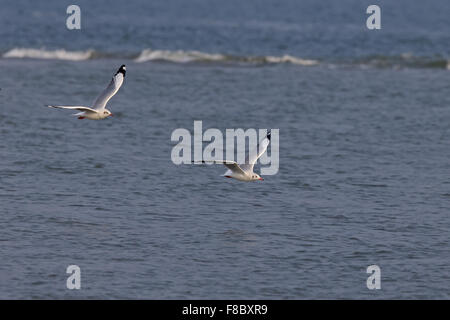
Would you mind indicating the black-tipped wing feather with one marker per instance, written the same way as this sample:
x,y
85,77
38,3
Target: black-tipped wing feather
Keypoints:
x,y
111,89
80,108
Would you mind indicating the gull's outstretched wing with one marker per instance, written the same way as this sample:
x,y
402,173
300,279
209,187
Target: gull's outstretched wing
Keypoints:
x,y
232,165
110,90
252,157
80,108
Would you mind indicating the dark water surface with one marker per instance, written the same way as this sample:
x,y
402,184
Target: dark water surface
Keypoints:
x,y
364,149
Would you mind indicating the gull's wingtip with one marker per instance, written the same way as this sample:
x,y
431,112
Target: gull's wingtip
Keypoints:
x,y
122,70
268,135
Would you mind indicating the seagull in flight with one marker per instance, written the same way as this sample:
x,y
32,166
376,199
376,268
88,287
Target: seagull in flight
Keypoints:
x,y
98,110
244,172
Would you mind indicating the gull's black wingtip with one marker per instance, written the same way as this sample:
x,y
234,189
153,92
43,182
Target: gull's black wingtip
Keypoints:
x,y
122,70
268,135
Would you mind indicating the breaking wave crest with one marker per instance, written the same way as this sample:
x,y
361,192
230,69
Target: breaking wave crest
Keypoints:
x,y
191,56
175,56
59,54
180,56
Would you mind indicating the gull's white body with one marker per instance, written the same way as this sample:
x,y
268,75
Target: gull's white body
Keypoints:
x,y
98,110
239,174
244,172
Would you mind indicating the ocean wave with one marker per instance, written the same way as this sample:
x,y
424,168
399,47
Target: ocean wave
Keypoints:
x,y
178,56
406,60
60,54
291,59
174,56
181,56
402,61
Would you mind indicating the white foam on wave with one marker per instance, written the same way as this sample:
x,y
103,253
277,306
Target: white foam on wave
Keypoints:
x,y
59,54
291,59
178,56
181,56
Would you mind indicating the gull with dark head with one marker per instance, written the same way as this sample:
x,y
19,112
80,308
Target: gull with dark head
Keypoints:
x,y
98,110
244,172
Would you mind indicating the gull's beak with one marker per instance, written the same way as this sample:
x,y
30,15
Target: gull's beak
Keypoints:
x,y
261,179
111,115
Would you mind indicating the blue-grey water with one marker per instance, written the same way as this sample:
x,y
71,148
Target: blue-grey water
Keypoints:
x,y
364,150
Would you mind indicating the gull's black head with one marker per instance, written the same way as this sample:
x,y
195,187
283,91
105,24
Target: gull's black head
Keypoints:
x,y
122,70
